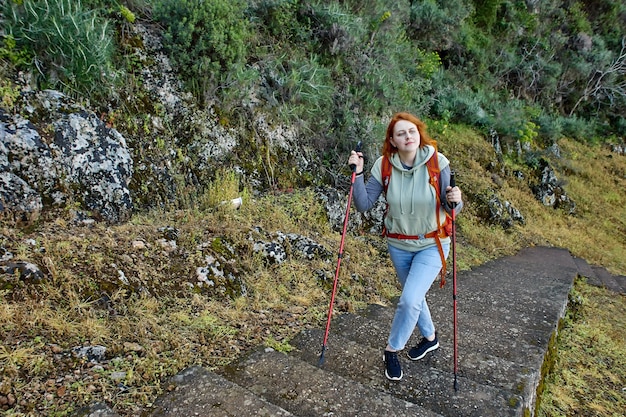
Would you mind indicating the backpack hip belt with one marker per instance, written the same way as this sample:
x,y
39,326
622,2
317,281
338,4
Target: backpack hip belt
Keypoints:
x,y
438,235
441,233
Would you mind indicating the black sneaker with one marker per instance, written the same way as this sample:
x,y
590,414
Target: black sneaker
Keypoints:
x,y
393,370
422,348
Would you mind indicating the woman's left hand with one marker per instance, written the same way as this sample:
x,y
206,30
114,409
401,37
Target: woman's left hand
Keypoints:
x,y
453,195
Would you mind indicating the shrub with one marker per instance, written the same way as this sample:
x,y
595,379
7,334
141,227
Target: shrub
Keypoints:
x,y
72,47
18,57
485,14
550,127
435,24
459,104
203,39
578,128
280,19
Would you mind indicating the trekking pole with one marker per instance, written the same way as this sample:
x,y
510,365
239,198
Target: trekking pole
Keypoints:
x,y
343,236
455,356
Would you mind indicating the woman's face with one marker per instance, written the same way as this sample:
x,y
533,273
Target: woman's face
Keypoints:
x,y
406,137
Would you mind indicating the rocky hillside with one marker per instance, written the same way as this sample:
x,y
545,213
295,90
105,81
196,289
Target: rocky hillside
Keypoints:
x,y
124,261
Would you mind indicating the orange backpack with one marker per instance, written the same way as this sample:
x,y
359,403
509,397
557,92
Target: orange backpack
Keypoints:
x,y
444,230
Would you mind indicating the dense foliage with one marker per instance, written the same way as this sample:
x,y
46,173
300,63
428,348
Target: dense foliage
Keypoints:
x,y
527,70
70,46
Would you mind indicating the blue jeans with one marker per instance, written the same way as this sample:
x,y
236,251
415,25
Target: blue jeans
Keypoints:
x,y
416,272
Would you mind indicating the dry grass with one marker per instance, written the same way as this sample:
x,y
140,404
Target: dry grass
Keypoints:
x,y
158,324
594,178
590,369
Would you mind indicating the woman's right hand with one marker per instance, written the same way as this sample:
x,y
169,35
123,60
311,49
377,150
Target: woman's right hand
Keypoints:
x,y
356,158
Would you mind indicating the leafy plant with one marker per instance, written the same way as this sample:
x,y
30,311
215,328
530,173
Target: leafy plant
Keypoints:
x,y
282,20
204,38
71,46
279,346
18,57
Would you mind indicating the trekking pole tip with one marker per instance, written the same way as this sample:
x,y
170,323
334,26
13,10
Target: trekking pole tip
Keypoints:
x,y
320,362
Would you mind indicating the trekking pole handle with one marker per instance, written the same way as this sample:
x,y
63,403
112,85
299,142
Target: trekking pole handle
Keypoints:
x,y
452,184
357,149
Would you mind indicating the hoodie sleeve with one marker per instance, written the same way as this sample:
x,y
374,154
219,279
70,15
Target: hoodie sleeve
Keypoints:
x,y
444,181
366,194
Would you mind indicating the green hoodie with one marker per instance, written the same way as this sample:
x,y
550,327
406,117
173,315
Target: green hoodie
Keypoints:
x,y
411,200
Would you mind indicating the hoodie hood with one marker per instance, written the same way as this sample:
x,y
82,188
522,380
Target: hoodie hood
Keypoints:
x,y
421,157
408,177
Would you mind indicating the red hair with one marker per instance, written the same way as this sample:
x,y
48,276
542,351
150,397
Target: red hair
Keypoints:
x,y
425,139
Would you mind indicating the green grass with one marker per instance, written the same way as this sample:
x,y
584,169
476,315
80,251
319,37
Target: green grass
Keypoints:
x,y
72,45
590,369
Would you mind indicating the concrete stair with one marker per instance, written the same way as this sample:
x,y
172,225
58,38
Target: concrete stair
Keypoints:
x,y
508,314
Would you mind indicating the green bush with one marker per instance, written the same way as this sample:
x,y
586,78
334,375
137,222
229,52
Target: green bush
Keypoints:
x,y
336,34
620,126
550,127
281,20
578,128
204,39
298,89
485,13
72,46
435,24
20,58
459,104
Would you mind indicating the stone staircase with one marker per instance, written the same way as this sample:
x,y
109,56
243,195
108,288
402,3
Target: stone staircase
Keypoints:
x,y
508,315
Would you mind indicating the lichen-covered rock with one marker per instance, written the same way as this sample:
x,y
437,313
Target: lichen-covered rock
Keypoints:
x,y
278,247
219,275
85,161
335,204
550,190
18,201
96,163
502,213
27,155
26,271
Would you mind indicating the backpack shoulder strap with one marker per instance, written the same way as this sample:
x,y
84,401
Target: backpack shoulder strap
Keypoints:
x,y
433,172
386,172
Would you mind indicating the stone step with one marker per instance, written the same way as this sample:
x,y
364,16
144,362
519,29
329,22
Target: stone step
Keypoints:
x,y
600,277
614,283
508,310
480,365
538,310
584,270
516,287
505,323
306,390
199,392
487,335
429,387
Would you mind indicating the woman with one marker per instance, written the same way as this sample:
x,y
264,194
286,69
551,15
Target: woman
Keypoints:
x,y
410,227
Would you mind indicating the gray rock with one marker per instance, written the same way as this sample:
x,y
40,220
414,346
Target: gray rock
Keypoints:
x,y
96,410
95,160
550,190
91,353
85,161
27,271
